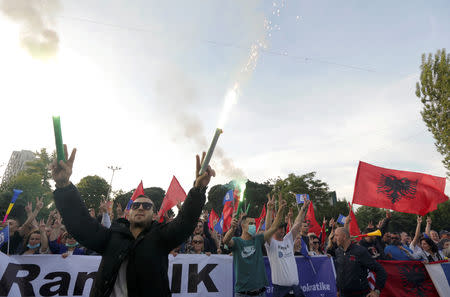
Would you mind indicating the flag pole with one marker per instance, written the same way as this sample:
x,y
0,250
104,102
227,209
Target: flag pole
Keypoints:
x,y
7,251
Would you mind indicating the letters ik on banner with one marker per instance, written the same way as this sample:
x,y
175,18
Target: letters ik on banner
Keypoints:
x,y
403,191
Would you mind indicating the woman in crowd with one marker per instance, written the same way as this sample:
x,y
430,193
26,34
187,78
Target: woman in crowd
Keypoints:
x,y
314,246
36,242
198,245
69,247
430,251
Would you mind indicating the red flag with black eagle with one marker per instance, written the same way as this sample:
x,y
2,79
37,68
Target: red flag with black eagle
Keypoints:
x,y
407,279
403,191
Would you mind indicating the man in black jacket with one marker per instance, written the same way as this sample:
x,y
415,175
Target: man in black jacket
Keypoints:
x,y
135,251
352,262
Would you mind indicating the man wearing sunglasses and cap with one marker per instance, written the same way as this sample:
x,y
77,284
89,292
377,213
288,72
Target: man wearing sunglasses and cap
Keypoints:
x,y
134,251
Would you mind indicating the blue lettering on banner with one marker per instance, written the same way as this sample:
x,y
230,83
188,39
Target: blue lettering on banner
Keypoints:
x,y
319,284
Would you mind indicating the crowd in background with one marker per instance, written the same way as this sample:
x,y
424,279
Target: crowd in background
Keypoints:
x,y
51,237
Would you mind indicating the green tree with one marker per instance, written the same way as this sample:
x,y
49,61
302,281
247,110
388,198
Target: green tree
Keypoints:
x,y
31,185
40,166
434,92
366,214
93,190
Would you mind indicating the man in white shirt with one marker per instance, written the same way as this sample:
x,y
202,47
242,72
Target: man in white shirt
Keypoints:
x,y
280,250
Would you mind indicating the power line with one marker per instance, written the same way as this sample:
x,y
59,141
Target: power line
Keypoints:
x,y
223,44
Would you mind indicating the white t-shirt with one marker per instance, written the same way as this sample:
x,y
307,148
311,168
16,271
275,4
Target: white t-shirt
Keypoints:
x,y
120,287
282,261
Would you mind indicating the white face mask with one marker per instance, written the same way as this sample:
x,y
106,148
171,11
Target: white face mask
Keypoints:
x,y
252,230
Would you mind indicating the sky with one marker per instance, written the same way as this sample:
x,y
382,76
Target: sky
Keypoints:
x,y
141,85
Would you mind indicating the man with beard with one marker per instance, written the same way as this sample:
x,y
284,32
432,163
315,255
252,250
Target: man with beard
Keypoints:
x,y
134,251
352,264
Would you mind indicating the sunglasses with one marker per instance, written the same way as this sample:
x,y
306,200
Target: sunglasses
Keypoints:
x,y
197,241
315,242
145,205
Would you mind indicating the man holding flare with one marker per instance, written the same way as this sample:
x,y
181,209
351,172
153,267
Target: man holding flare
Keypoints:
x,y
134,251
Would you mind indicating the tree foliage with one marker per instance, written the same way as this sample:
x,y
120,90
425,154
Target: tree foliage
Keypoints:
x,y
93,190
434,92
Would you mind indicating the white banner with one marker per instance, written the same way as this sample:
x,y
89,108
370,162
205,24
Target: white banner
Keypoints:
x,y
440,275
51,275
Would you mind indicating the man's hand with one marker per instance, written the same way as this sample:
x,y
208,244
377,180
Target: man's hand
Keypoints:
x,y
103,207
29,208
270,202
429,220
62,171
388,214
42,225
281,202
419,220
39,203
331,223
202,181
306,204
234,222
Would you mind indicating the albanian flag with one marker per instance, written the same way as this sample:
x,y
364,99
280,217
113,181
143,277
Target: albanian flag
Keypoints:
x,y
407,279
174,195
398,190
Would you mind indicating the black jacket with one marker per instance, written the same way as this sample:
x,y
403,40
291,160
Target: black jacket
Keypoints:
x,y
147,254
351,270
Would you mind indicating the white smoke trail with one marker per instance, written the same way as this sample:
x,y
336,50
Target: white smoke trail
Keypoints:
x,y
36,19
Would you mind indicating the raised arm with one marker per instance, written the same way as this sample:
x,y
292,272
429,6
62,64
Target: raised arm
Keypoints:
x,y
44,239
270,210
84,228
428,227
227,238
417,235
26,227
296,228
177,231
278,220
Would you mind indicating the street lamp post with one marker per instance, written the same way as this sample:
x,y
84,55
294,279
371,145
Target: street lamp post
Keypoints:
x,y
113,168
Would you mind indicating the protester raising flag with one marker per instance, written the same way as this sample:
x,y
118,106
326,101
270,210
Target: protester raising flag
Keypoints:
x,y
138,192
213,218
353,226
398,190
311,219
174,195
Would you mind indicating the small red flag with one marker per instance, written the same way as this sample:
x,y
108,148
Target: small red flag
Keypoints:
x,y
353,226
227,214
262,216
403,191
174,194
138,192
212,219
311,219
323,233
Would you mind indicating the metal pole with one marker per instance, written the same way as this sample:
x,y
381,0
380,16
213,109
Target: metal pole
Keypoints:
x,y
113,168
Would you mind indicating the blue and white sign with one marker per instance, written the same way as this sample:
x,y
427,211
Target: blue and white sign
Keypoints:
x,y
301,198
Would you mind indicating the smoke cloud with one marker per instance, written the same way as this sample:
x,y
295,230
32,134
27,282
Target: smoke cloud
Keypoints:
x,y
176,93
37,25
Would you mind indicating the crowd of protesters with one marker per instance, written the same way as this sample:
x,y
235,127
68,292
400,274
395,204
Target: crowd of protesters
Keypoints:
x,y
189,233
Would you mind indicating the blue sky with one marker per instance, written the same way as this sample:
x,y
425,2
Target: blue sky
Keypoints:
x,y
144,66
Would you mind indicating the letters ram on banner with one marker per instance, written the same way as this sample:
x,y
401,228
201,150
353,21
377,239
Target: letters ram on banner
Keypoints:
x,y
189,275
